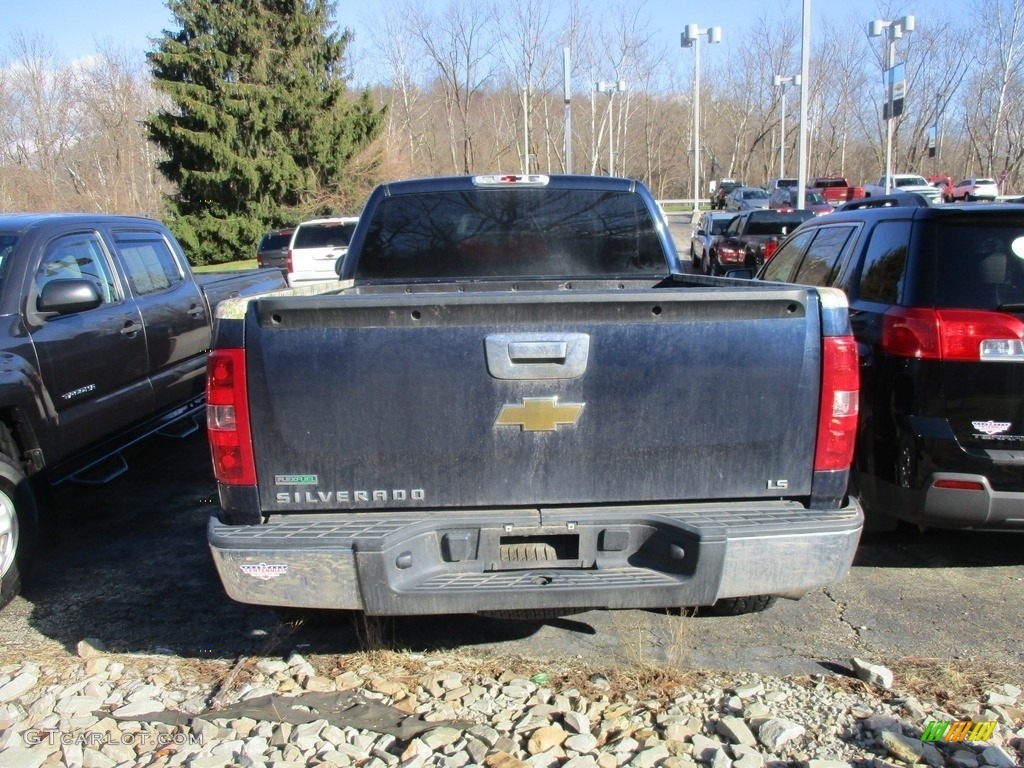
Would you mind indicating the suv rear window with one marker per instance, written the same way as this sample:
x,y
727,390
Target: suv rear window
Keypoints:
x,y
522,232
323,235
275,241
979,264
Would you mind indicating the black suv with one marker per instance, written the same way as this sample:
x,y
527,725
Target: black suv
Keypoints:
x,y
936,298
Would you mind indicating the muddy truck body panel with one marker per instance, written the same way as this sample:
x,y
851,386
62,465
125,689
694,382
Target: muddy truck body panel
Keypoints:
x,y
517,444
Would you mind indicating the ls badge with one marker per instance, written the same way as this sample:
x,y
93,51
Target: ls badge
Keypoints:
x,y
539,414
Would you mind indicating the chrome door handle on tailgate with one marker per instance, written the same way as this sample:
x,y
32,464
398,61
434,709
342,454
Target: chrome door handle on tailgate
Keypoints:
x,y
537,355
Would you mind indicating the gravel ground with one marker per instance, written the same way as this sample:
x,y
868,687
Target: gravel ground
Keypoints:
x,y
385,709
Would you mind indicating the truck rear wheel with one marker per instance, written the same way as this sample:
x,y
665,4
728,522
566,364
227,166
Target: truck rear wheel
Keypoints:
x,y
18,527
737,606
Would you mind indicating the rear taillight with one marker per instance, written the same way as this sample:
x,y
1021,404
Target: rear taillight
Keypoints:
x,y
729,255
840,390
227,418
288,266
968,335
770,248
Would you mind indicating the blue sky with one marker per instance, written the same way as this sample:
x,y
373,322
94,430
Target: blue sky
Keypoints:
x,y
78,27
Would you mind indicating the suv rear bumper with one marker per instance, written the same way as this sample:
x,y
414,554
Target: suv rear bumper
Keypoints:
x,y
982,507
431,562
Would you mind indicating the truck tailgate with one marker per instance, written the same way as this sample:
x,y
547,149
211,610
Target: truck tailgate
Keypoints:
x,y
533,398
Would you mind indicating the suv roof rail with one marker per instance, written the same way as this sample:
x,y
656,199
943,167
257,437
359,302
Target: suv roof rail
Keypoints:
x,y
895,200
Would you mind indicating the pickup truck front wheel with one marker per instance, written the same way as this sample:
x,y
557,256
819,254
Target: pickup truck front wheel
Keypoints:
x,y
18,525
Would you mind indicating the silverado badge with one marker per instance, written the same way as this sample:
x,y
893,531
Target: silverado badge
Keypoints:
x,y
539,414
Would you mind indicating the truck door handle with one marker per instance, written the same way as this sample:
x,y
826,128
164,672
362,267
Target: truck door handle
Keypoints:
x,y
195,310
519,356
131,328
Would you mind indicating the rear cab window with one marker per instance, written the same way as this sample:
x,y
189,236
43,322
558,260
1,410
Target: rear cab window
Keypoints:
x,y
500,232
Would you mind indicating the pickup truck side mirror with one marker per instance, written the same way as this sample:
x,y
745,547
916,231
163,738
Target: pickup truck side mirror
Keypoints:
x,y
67,296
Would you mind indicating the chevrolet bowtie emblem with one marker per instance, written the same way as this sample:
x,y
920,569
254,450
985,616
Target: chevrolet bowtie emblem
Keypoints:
x,y
539,414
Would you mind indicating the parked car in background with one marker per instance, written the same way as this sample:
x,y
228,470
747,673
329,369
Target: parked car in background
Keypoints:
x,y
943,184
746,199
725,186
315,247
708,229
786,199
936,299
750,239
836,189
774,184
974,189
273,248
904,182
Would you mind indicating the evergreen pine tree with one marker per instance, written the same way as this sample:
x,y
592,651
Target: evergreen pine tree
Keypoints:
x,y
260,131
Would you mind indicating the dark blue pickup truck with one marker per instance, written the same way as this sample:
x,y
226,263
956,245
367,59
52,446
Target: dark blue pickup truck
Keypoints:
x,y
105,331
515,401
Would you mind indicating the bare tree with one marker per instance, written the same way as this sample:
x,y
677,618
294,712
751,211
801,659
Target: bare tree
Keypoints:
x,y
997,84
458,43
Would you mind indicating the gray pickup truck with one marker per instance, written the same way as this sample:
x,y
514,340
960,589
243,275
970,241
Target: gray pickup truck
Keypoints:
x,y
515,401
104,342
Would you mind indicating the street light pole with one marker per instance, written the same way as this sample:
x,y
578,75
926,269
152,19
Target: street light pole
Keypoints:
x,y
690,38
784,82
610,87
893,30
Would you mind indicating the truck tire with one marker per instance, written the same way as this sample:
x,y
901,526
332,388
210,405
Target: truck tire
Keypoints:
x,y
737,606
18,527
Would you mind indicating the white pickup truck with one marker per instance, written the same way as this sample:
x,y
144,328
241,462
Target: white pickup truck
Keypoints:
x,y
904,182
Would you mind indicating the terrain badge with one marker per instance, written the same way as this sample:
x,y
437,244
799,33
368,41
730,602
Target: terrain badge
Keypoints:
x,y
991,427
263,571
539,414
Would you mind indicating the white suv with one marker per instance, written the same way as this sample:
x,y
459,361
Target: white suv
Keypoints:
x,y
316,246
974,189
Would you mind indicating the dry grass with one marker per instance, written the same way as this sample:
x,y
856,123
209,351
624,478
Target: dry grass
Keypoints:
x,y
950,682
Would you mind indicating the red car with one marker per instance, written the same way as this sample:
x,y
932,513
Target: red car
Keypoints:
x,y
944,184
785,199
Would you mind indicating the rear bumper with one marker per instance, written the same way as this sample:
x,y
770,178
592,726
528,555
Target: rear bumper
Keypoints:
x,y
429,562
977,507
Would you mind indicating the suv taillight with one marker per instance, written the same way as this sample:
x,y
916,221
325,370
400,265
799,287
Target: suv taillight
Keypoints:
x,y
968,335
840,392
770,248
288,260
227,418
